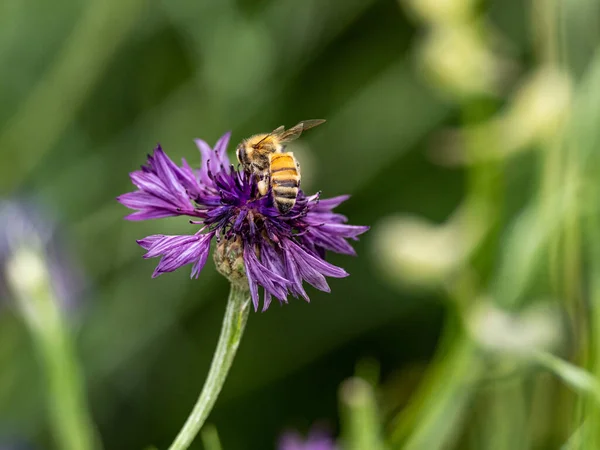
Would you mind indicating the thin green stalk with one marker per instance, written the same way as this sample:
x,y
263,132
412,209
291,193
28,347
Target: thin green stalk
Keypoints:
x,y
583,135
592,409
30,282
234,322
360,417
210,438
433,423
576,377
54,101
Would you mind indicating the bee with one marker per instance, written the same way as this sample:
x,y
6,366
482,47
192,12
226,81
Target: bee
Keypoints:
x,y
263,155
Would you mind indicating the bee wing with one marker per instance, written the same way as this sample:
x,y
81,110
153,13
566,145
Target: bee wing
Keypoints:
x,y
295,132
308,124
277,130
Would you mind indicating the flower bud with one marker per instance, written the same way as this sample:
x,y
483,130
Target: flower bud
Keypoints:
x,y
535,328
440,12
229,261
456,59
28,237
414,252
538,110
29,280
536,114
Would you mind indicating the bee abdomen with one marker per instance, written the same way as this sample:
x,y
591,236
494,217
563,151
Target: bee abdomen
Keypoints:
x,y
285,184
285,181
284,195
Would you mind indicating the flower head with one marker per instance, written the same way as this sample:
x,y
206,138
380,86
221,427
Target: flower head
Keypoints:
x,y
316,440
256,244
26,225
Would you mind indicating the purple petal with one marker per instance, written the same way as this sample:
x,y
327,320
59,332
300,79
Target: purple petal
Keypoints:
x,y
280,264
330,203
187,177
148,214
275,261
253,289
304,270
315,263
316,440
346,231
148,241
291,441
168,243
152,184
258,274
142,200
199,264
311,268
221,150
205,154
333,236
213,160
163,189
164,168
177,251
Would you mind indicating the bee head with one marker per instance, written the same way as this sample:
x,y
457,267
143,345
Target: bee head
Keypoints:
x,y
243,153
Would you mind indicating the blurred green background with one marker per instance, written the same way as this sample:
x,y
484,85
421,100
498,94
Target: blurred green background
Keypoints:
x,y
453,148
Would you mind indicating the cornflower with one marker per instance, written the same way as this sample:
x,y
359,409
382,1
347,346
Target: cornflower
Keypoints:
x,y
256,245
316,440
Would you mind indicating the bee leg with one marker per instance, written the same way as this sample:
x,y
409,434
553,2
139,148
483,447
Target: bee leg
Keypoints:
x,y
263,187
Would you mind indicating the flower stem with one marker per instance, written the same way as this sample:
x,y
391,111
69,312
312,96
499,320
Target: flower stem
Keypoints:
x,y
360,416
234,322
29,280
210,438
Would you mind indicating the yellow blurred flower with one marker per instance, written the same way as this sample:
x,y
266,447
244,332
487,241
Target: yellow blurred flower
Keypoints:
x,y
438,12
538,110
414,252
456,58
536,114
536,328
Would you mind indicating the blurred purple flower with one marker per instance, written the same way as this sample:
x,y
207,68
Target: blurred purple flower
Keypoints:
x,y
279,251
15,445
25,223
316,440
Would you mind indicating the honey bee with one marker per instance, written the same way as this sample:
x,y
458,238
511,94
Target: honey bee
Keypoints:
x,y
263,155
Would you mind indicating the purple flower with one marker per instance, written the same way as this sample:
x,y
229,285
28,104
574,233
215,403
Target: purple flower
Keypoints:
x,y
275,251
25,222
316,440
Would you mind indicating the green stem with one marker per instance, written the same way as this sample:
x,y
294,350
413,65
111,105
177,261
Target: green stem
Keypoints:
x,y
236,315
30,282
360,418
433,421
210,438
579,379
53,103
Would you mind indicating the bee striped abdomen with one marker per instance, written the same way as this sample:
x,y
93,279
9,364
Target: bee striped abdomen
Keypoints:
x,y
285,180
